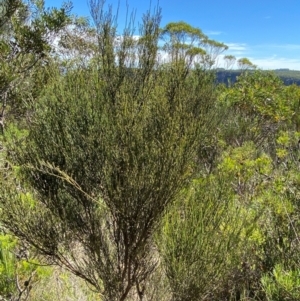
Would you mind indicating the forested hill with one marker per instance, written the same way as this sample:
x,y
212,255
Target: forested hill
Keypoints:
x,y
289,77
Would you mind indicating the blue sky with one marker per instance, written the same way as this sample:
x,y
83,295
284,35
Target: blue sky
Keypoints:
x,y
265,31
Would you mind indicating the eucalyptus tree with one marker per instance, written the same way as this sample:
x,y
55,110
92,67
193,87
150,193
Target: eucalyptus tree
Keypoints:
x,y
183,41
26,32
229,61
244,64
109,147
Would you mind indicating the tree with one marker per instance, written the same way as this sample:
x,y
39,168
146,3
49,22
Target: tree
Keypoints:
x,y
110,147
184,42
26,33
229,60
245,63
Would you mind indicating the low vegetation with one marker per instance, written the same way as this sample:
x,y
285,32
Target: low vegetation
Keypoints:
x,y
128,173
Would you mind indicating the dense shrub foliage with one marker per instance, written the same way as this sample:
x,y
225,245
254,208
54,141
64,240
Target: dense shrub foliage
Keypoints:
x,y
127,173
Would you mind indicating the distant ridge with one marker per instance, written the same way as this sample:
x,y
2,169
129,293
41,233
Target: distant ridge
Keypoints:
x,y
289,77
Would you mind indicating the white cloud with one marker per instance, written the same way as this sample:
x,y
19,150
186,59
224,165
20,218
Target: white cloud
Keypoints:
x,y
237,49
237,46
276,56
275,62
212,33
281,47
266,63
266,56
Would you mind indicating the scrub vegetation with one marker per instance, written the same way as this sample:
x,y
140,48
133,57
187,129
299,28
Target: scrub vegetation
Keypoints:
x,y
128,173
